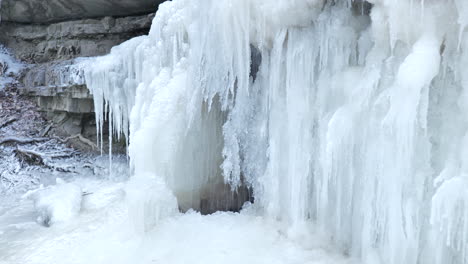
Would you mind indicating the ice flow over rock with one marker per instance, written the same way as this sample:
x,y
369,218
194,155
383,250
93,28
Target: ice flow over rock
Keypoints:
x,y
356,120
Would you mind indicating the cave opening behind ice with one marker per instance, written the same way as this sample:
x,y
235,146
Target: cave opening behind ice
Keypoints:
x,y
201,157
355,118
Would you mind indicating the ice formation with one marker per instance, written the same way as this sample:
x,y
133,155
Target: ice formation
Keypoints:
x,y
347,115
57,203
149,202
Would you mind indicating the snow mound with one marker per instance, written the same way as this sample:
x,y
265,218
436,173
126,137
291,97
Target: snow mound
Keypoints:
x,y
102,197
149,201
56,204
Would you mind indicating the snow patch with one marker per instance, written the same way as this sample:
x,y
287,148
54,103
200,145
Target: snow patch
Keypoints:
x,y
57,203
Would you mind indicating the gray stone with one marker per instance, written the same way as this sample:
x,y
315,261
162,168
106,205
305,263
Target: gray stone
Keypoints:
x,y
58,86
47,11
50,35
54,80
71,39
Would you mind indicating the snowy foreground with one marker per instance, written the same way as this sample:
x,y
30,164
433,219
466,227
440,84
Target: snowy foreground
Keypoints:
x,y
101,232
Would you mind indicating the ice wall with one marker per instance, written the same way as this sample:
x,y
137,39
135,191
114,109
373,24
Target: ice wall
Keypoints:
x,y
355,121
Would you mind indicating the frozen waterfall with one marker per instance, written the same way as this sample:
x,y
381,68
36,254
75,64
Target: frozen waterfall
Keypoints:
x,y
348,115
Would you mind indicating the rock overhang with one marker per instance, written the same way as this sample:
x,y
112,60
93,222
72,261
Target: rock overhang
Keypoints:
x,y
50,11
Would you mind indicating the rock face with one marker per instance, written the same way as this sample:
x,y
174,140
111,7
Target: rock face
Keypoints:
x,y
66,40
50,36
48,11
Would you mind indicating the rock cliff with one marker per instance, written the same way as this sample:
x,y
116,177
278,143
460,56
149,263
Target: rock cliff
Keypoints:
x,y
50,35
48,11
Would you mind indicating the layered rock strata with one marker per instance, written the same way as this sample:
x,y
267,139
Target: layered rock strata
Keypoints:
x,y
51,35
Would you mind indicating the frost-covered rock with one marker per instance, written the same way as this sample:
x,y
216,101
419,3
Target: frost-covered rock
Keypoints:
x,y
53,79
57,203
9,67
58,87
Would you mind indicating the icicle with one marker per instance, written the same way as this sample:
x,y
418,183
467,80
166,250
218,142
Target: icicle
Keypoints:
x,y
345,126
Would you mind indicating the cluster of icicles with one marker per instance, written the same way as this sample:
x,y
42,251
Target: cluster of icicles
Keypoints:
x,y
351,116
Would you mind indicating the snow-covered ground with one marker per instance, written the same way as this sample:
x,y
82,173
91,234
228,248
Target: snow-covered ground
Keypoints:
x,y
101,233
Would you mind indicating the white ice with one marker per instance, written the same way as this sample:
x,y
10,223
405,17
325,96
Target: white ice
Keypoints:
x,y
56,203
103,233
355,126
9,67
354,121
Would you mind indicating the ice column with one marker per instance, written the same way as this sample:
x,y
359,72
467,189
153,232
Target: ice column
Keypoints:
x,y
355,121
